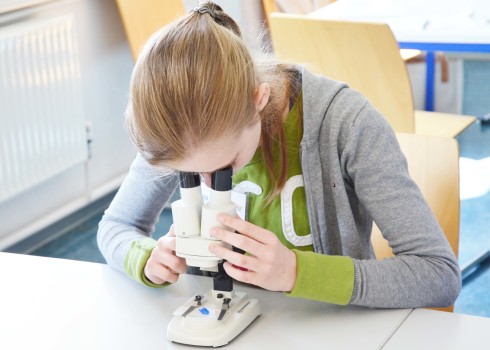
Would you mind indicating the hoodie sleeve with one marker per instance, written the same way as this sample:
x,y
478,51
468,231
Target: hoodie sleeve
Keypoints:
x,y
133,213
424,271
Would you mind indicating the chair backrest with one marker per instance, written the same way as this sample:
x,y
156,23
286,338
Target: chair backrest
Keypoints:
x,y
268,6
364,55
433,163
141,18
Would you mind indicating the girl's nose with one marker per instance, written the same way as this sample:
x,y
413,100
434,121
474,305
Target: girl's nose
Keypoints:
x,y
207,179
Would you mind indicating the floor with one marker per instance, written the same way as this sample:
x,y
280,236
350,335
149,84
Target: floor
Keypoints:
x,y
80,242
475,218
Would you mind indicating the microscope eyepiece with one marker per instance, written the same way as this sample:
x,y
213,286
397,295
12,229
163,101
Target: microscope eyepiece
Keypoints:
x,y
189,180
221,179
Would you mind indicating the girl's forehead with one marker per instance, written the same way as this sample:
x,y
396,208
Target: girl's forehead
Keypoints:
x,y
209,157
221,152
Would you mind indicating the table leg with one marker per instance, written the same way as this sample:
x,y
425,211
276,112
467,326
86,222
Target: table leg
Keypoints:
x,y
430,81
474,264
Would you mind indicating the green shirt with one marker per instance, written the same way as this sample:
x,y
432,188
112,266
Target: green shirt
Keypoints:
x,y
286,215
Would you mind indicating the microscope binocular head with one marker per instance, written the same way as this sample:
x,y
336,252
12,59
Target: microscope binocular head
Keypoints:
x,y
193,218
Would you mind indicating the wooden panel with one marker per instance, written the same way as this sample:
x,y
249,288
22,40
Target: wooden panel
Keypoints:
x,y
268,7
142,18
441,124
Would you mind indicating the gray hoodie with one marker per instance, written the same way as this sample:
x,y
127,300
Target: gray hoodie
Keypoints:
x,y
354,173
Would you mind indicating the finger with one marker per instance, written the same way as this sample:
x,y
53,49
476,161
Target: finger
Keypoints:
x,y
153,278
173,262
159,274
166,243
240,260
239,240
171,231
246,228
240,275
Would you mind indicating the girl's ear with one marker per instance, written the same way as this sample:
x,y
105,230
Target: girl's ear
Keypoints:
x,y
262,94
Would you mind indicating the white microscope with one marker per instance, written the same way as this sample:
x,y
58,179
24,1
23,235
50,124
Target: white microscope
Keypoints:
x,y
218,316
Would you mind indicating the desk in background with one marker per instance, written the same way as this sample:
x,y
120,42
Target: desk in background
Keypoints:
x,y
426,329
434,25
55,304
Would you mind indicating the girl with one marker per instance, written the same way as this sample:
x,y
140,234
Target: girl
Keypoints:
x,y
319,162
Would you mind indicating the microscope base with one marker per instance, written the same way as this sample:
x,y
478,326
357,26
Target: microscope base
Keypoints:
x,y
207,325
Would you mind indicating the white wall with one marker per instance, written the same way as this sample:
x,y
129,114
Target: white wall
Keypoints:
x,y
448,95
106,65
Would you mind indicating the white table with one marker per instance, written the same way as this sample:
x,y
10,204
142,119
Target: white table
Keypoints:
x,y
54,304
430,25
426,329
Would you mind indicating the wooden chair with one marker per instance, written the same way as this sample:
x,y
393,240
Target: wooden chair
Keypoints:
x,y
408,55
367,57
433,163
141,18
268,7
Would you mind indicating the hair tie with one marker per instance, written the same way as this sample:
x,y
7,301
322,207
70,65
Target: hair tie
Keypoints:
x,y
204,9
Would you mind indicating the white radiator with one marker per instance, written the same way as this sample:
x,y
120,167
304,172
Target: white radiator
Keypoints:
x,y
42,129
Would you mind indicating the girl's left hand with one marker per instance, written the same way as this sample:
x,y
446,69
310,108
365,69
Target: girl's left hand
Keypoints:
x,y
269,265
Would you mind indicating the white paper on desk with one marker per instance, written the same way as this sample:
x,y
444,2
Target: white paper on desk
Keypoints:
x,y
406,24
367,9
454,22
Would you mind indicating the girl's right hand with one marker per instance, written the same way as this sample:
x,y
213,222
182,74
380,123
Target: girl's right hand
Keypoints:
x,y
163,265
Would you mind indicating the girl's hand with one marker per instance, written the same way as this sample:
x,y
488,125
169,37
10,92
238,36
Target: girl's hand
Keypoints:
x,y
270,264
163,265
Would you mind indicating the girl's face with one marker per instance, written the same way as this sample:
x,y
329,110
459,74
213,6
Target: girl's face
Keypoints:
x,y
235,150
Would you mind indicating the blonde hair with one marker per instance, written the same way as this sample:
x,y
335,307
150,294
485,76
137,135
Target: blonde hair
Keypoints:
x,y
194,82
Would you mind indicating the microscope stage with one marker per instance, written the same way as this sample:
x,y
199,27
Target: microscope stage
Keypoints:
x,y
213,319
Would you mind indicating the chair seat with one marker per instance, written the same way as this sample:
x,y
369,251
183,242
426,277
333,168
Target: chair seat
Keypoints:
x,y
441,124
409,54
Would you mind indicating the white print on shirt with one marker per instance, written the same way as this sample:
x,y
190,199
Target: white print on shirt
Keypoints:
x,y
248,187
240,198
291,185
286,207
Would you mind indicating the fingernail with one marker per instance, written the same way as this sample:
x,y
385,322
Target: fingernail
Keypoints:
x,y
221,217
212,232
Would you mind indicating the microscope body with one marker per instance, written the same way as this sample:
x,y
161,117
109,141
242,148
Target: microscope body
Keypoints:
x,y
193,219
